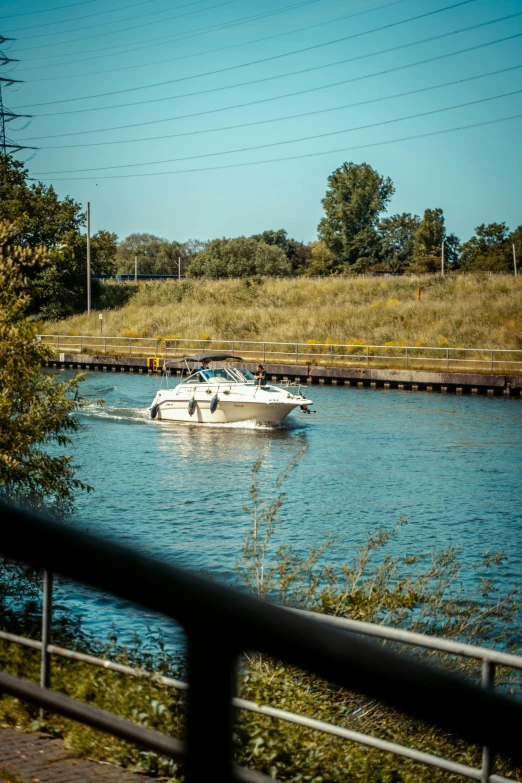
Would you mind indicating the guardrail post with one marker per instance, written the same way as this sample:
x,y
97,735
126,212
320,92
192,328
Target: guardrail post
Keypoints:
x,y
157,347
264,352
367,355
406,356
491,359
447,358
58,342
297,353
130,346
232,349
47,612
210,714
488,681
81,344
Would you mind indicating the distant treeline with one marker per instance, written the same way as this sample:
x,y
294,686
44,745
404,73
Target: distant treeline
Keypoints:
x,y
354,236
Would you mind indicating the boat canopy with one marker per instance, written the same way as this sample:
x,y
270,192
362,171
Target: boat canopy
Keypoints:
x,y
201,357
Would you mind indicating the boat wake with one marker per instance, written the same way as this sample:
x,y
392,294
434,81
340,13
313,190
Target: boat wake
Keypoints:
x,y
116,413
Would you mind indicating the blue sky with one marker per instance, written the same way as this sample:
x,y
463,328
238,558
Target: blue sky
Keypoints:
x,y
215,78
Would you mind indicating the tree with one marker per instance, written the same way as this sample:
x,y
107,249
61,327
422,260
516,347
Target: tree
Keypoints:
x,y
67,273
35,406
321,261
429,236
490,249
356,196
156,255
397,237
39,216
239,257
297,252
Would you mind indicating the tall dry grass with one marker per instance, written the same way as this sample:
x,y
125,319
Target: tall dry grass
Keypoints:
x,y
469,311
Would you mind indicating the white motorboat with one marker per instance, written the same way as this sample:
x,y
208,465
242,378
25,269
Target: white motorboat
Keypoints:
x,y
224,394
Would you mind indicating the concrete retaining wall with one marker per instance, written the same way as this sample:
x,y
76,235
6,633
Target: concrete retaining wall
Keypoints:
x,y
415,380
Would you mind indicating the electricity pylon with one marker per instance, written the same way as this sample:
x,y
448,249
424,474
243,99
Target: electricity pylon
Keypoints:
x,y
7,145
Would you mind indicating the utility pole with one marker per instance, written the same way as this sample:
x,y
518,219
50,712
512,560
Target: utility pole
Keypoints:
x,y
135,269
179,266
515,260
442,260
88,258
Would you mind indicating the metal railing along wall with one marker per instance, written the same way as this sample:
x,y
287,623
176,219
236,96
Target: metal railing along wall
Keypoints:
x,y
221,624
402,356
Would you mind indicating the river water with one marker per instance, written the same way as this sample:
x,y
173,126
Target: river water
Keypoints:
x,y
450,465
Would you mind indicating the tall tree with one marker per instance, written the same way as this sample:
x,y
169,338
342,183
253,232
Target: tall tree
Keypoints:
x,y
429,236
490,249
397,237
356,196
35,407
239,257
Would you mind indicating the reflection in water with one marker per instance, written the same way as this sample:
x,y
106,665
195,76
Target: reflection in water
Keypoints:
x,y
450,465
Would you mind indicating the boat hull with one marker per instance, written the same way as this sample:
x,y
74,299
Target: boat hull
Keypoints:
x,y
227,412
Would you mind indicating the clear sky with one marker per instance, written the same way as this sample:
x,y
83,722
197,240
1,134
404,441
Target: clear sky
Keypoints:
x,y
192,89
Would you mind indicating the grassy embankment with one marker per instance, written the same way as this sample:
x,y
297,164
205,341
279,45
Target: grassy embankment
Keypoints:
x,y
468,311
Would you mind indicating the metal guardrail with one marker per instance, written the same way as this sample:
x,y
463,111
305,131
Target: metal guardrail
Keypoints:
x,y
331,354
97,344
225,622
490,660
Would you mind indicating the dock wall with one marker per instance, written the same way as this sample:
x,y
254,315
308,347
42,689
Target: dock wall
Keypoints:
x,y
414,380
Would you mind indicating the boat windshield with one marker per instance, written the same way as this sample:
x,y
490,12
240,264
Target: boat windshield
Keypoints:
x,y
222,375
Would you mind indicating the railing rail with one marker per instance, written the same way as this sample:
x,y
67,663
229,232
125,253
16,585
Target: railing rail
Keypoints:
x,y
490,658
228,622
346,354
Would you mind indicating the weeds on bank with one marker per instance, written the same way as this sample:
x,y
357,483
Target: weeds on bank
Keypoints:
x,y
424,592
472,311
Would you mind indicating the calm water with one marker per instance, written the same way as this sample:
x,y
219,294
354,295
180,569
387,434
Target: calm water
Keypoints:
x,y
451,465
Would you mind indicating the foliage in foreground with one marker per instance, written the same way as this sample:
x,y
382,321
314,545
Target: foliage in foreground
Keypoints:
x,y
422,592
35,408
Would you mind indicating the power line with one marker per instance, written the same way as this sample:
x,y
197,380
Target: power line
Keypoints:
x,y
48,10
298,157
289,116
293,141
280,76
89,16
256,62
98,54
124,29
221,48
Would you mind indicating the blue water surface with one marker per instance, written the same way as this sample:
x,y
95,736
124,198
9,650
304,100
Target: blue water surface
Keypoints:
x,y
450,465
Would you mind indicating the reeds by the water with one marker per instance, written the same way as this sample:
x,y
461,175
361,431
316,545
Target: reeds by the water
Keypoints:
x,y
469,311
